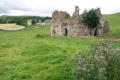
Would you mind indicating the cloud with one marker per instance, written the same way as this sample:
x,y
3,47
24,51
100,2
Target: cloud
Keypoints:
x,y
46,7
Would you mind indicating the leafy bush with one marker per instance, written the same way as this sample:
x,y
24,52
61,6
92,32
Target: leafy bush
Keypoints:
x,y
41,36
101,62
91,18
67,16
38,35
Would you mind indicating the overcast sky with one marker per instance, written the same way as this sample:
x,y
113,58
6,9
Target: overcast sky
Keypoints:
x,y
46,7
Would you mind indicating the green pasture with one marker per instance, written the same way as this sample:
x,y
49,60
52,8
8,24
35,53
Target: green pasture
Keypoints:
x,y
25,57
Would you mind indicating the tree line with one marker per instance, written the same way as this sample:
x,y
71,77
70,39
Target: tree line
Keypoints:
x,y
22,20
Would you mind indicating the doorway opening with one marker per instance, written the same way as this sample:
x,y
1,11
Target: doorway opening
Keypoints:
x,y
66,32
95,33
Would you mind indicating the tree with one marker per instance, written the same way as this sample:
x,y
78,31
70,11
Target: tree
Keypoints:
x,y
91,18
34,21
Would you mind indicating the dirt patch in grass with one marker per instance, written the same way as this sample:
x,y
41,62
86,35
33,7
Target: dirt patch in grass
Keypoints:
x,y
110,39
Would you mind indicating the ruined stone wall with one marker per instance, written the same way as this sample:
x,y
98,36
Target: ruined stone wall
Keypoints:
x,y
57,20
106,26
56,30
74,27
101,17
78,30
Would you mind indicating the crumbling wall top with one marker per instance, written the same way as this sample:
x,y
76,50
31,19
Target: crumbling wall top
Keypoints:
x,y
59,16
76,13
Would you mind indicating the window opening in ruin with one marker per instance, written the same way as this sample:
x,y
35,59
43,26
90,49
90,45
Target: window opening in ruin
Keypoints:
x,y
90,33
54,32
65,24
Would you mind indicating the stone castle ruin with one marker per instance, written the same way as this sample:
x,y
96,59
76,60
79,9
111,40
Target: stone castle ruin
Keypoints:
x,y
63,25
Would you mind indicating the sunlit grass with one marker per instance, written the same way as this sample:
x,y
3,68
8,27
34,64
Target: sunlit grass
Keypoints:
x,y
23,56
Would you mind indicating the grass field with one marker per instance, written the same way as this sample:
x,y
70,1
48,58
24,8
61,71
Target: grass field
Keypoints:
x,y
10,27
25,57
